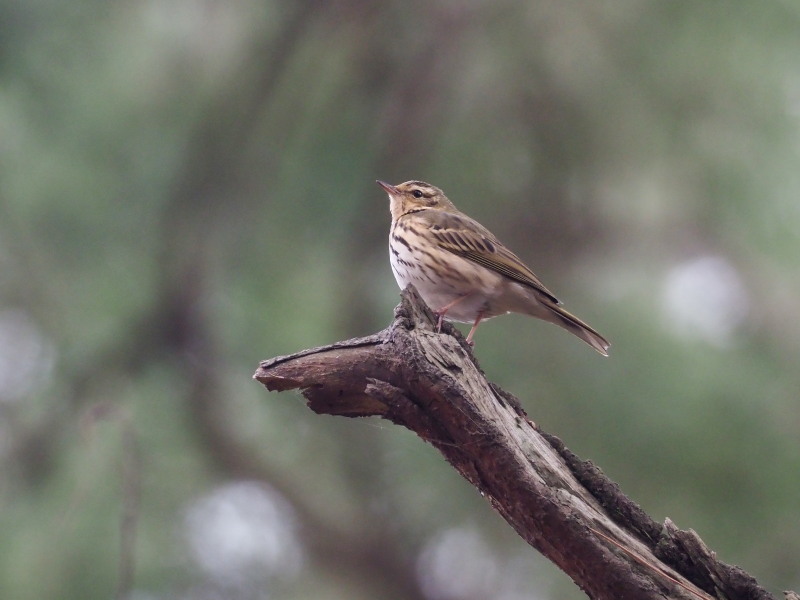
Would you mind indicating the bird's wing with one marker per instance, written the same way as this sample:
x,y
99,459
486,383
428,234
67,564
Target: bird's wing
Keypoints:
x,y
467,238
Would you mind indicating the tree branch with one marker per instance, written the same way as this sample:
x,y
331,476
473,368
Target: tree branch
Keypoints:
x,y
564,507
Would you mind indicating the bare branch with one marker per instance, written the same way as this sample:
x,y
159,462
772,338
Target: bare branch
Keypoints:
x,y
566,508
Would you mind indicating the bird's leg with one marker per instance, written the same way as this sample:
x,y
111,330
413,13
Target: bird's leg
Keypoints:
x,y
474,327
442,311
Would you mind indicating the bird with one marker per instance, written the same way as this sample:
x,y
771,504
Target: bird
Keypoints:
x,y
461,270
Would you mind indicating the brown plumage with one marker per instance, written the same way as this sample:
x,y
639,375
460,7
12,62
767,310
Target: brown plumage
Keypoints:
x,y
461,270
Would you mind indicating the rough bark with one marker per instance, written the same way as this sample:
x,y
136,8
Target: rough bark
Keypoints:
x,y
561,505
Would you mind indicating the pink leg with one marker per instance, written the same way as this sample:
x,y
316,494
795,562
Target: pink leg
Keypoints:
x,y
474,327
442,311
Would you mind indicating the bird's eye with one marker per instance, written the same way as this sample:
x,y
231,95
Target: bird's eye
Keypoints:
x,y
416,194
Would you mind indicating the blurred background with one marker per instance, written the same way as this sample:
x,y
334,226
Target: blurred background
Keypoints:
x,y
187,187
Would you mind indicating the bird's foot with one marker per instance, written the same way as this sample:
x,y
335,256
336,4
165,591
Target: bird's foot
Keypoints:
x,y
443,311
474,327
439,320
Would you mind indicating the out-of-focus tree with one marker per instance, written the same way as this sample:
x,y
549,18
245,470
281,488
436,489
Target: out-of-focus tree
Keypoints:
x,y
186,187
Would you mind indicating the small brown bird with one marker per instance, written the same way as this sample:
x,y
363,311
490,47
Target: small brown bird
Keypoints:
x,y
461,270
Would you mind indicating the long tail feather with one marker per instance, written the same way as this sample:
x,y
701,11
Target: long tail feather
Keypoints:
x,y
577,327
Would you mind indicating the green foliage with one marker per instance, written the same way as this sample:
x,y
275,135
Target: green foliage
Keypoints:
x,y
187,188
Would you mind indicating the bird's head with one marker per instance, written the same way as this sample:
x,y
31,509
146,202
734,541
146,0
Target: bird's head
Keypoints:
x,y
413,195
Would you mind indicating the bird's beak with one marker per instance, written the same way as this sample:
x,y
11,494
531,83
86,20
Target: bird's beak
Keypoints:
x,y
390,189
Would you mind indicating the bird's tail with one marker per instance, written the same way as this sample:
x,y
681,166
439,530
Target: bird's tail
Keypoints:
x,y
577,327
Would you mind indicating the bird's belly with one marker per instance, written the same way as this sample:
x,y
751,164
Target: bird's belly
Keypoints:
x,y
466,287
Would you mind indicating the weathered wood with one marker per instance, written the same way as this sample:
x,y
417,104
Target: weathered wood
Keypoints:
x,y
564,507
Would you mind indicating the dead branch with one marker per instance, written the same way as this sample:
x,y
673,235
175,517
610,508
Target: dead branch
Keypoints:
x,y
564,507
